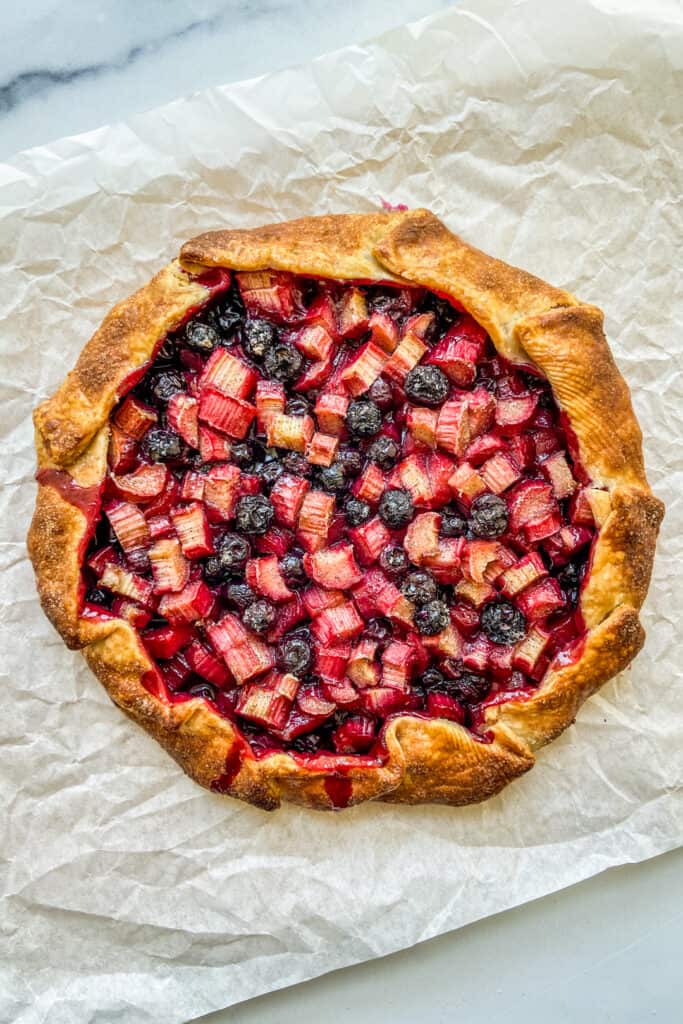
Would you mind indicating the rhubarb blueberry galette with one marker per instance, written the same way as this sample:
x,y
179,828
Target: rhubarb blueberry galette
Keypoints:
x,y
343,509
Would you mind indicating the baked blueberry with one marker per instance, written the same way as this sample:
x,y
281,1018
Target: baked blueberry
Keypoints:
x,y
420,587
259,617
162,445
363,418
201,337
164,385
453,524
258,337
332,478
427,385
283,362
384,451
488,516
240,594
294,655
357,512
394,561
254,514
432,618
396,508
502,622
292,568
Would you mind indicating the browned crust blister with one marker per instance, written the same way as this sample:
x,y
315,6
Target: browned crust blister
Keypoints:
x,y
529,321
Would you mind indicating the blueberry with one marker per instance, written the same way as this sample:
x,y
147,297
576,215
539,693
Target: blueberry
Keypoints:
x,y
233,551
357,512
297,406
201,337
427,385
205,690
379,630
445,313
488,516
227,317
258,338
97,596
432,618
164,385
283,363
308,743
240,594
332,478
242,454
502,622
351,459
168,349
395,562
259,617
254,514
384,451
420,587
292,568
468,687
381,394
363,418
270,471
294,655
569,579
453,524
432,679
395,302
396,508
161,445
296,464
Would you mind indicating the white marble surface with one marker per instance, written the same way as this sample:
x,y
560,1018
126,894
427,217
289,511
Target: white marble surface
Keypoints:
x,y
608,950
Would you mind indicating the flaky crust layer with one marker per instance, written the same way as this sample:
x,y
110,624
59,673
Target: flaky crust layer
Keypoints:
x,y
529,321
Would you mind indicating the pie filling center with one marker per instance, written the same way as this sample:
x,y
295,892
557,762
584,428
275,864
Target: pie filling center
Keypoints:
x,y
329,503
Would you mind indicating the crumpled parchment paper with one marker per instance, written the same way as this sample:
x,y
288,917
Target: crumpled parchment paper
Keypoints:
x,y
554,142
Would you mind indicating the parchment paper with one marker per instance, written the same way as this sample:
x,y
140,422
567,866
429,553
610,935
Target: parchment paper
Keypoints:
x,y
553,142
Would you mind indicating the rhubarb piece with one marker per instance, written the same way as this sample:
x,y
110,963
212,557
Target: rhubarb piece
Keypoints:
x,y
322,449
531,501
165,642
317,599
316,375
314,341
122,450
289,615
271,294
383,700
406,356
522,574
192,486
246,657
476,593
132,532
453,427
135,417
287,497
421,423
342,622
457,354
354,736
499,472
195,601
274,541
264,576
315,517
263,705
513,414
143,484
485,560
231,416
446,644
529,651
383,331
369,540
397,665
541,600
466,483
330,411
442,705
291,432
566,543
555,469
361,667
334,568
445,564
365,368
213,447
137,617
220,492
192,527
202,661
422,537
352,314
536,532
102,558
413,476
160,526
125,583
170,569
182,413
270,399
330,660
370,484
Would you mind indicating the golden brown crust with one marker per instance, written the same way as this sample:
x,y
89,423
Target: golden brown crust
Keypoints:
x,y
529,321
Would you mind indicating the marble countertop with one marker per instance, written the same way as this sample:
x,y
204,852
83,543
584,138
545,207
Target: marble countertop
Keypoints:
x,y
607,950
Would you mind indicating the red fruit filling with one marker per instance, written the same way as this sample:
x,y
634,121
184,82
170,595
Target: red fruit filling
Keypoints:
x,y
332,503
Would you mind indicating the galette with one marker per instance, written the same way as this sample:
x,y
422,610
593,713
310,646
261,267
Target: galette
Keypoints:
x,y
343,509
